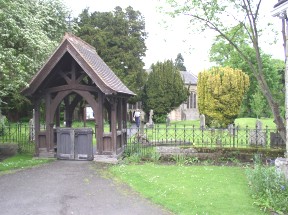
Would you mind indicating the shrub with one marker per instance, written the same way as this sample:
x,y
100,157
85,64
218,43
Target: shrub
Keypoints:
x,y
269,187
3,121
220,94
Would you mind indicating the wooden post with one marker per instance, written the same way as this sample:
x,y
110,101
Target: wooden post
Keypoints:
x,y
37,125
120,123
99,123
113,125
57,116
48,121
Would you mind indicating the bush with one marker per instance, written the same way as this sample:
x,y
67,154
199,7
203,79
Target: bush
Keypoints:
x,y
3,121
269,187
159,118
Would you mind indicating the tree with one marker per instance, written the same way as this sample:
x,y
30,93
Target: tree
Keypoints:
x,y
179,63
164,90
220,94
29,32
119,38
219,17
257,103
223,54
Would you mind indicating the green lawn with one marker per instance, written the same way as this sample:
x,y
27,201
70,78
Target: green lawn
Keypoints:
x,y
191,189
20,162
242,122
251,123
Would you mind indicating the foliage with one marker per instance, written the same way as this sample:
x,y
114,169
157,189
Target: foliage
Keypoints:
x,y
181,159
219,16
136,153
164,89
220,94
258,103
21,162
179,63
119,38
190,189
29,32
160,118
223,54
3,121
268,187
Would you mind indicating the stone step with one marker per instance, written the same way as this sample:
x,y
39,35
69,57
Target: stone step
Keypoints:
x,y
43,153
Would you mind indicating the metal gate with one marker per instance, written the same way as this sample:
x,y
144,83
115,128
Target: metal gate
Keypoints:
x,y
75,143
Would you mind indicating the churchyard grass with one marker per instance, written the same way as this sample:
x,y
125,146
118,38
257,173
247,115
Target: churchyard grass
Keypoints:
x,y
251,122
191,189
21,161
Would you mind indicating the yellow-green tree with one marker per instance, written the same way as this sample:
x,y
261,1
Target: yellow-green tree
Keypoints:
x,y
220,94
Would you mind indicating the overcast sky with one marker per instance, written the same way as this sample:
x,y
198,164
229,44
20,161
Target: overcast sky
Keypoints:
x,y
166,42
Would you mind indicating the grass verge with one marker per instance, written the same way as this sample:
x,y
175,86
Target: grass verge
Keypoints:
x,y
191,189
21,161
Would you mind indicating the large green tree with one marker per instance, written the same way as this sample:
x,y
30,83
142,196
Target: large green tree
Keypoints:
x,y
119,38
220,16
29,32
164,90
224,54
179,63
220,94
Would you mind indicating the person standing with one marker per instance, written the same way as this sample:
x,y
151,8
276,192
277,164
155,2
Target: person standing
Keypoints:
x,y
137,117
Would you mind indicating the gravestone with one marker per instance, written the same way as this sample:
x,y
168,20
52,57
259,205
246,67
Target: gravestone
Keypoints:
x,y
258,125
150,123
276,140
257,137
167,121
230,129
202,121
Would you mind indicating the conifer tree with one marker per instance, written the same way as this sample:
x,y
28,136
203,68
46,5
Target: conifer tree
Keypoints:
x,y
164,90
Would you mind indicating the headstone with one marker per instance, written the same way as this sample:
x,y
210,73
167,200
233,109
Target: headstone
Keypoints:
x,y
150,117
168,121
230,129
202,121
276,140
257,137
150,122
258,124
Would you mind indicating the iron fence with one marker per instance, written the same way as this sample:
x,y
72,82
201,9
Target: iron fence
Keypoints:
x,y
20,134
177,135
161,135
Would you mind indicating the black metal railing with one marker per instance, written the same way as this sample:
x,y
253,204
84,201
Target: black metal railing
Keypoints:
x,y
20,134
161,135
233,137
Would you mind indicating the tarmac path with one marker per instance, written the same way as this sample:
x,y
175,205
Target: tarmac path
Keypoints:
x,y
69,188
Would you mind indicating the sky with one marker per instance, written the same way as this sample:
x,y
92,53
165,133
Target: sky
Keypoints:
x,y
165,41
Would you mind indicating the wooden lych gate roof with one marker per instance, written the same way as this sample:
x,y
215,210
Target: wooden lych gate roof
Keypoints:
x,y
87,58
280,2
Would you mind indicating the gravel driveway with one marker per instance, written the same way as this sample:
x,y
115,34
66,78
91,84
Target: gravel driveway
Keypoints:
x,y
69,187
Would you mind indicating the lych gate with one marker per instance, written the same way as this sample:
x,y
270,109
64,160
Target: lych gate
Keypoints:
x,y
73,77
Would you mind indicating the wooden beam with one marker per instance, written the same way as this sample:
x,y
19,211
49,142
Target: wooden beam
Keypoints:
x,y
71,87
67,79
